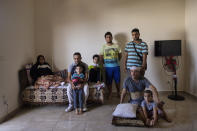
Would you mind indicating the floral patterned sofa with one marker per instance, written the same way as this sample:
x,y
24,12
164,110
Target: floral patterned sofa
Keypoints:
x,y
37,96
52,95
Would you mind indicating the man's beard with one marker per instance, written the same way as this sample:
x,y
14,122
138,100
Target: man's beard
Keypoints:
x,y
77,62
135,77
137,39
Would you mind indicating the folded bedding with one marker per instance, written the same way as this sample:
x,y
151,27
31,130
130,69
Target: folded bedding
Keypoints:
x,y
49,81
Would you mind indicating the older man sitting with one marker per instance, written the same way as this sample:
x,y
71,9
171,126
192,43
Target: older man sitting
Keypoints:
x,y
136,85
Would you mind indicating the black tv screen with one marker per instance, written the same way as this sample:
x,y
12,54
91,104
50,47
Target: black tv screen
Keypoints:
x,y
168,48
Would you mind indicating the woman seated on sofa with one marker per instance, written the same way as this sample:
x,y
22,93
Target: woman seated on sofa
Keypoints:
x,y
41,68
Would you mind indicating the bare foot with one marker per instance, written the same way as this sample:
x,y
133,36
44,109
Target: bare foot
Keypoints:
x,y
80,111
167,119
76,111
148,122
152,123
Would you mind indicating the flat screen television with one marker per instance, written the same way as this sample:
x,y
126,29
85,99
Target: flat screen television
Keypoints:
x,y
168,48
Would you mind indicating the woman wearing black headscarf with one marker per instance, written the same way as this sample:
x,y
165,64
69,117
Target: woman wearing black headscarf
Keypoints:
x,y
41,68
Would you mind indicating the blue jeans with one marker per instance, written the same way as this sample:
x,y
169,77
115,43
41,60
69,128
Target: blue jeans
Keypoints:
x,y
78,98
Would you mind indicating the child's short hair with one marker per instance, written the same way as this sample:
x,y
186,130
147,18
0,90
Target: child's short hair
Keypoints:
x,y
79,65
108,33
95,56
148,92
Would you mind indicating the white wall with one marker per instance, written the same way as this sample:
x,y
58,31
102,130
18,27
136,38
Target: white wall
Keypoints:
x,y
66,26
16,48
191,46
43,30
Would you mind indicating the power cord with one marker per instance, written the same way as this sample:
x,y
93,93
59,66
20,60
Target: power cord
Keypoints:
x,y
5,103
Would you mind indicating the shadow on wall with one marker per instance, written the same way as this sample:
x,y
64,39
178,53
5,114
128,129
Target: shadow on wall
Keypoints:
x,y
122,40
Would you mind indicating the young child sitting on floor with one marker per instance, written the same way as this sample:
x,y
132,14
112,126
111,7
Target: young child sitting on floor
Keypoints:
x,y
78,80
151,110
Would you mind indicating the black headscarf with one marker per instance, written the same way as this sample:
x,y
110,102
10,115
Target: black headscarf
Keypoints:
x,y
35,72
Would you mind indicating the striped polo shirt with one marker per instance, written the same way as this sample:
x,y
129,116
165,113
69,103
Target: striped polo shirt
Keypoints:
x,y
133,59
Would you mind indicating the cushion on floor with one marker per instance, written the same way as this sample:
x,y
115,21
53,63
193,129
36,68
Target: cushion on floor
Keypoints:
x,y
125,110
127,115
135,122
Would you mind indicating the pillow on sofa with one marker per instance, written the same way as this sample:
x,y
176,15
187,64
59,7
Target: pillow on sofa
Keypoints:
x,y
125,110
62,73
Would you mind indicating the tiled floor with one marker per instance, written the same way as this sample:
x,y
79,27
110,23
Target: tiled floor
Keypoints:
x,y
53,118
